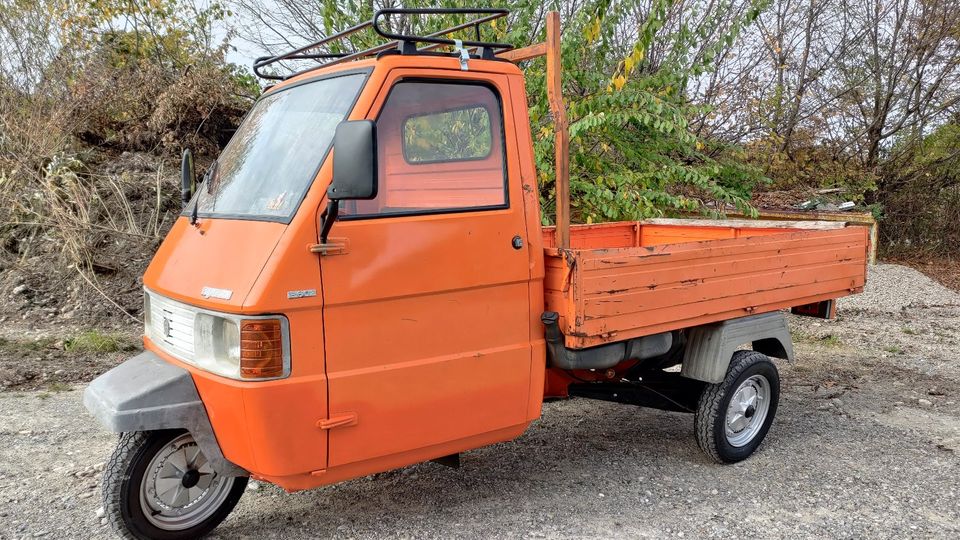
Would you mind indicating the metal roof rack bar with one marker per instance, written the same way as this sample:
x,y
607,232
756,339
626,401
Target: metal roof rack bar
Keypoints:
x,y
387,46
297,54
435,39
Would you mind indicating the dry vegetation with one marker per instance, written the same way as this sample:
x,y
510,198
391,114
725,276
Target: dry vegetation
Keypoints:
x,y
90,135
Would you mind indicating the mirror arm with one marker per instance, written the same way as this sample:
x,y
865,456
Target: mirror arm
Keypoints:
x,y
330,215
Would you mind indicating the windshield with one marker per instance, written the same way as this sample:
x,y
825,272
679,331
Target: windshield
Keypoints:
x,y
266,169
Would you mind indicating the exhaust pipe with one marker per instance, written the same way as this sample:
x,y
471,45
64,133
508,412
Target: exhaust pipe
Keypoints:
x,y
601,356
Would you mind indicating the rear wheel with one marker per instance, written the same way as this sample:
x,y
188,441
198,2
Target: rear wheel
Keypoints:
x,y
733,416
159,485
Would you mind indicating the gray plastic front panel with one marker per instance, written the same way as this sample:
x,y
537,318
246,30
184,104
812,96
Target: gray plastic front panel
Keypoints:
x,y
145,393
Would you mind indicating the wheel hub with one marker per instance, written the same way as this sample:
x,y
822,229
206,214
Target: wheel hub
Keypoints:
x,y
190,478
747,410
180,489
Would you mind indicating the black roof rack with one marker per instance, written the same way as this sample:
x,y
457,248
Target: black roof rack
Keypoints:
x,y
404,43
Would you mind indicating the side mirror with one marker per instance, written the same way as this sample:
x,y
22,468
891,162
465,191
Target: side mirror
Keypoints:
x,y
354,161
354,168
187,178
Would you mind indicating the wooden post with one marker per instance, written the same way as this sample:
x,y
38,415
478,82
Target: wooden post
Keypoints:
x,y
562,135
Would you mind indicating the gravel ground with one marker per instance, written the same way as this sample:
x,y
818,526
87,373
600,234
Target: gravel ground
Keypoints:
x,y
866,444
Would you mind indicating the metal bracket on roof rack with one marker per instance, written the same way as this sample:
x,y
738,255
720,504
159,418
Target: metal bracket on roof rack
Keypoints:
x,y
464,54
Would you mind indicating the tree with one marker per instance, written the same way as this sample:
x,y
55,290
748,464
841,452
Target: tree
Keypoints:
x,y
626,69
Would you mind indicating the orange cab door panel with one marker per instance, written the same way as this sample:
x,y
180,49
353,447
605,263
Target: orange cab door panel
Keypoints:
x,y
426,315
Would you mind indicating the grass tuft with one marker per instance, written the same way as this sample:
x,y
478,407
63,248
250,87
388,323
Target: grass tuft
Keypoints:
x,y
93,341
58,387
831,340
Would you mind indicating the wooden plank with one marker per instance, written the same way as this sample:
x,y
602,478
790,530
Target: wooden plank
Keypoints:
x,y
637,302
614,234
525,53
759,302
581,342
672,254
667,263
864,219
561,130
595,285
745,223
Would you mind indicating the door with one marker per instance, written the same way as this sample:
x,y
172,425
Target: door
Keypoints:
x,y
426,315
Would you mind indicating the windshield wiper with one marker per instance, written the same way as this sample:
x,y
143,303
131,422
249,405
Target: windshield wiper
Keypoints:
x,y
208,176
206,181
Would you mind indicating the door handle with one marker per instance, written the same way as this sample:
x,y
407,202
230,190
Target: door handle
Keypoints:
x,y
334,246
344,420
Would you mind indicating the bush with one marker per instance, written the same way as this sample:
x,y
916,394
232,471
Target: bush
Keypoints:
x,y
920,197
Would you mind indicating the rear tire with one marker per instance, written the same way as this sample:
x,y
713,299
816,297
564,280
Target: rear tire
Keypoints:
x,y
157,485
733,416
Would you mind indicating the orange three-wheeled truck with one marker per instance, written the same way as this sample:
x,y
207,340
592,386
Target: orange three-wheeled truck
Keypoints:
x,y
361,282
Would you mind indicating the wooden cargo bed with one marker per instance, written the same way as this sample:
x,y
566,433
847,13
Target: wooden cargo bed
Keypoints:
x,y
629,279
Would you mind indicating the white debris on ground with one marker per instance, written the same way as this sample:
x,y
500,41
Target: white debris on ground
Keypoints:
x,y
891,288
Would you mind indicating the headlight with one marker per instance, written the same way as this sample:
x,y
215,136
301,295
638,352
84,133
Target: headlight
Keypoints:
x,y
146,313
216,344
245,348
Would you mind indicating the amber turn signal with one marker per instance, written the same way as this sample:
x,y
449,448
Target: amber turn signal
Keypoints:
x,y
261,349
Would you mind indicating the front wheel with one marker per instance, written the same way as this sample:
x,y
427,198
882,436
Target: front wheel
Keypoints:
x,y
159,485
733,416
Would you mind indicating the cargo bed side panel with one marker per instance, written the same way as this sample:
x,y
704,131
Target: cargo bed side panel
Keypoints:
x,y
620,293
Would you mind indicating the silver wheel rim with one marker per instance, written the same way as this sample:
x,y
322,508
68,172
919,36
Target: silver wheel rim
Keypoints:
x,y
180,489
747,410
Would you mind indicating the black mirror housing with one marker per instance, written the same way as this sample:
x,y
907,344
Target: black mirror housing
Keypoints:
x,y
354,161
187,178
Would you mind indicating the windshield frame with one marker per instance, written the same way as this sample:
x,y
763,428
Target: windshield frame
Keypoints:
x,y
188,209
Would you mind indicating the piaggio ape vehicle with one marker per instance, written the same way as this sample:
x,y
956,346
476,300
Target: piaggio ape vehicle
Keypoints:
x,y
361,282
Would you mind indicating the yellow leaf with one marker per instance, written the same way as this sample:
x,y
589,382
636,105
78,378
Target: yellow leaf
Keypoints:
x,y
619,81
589,220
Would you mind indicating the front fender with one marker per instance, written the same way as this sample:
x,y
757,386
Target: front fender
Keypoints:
x,y
145,393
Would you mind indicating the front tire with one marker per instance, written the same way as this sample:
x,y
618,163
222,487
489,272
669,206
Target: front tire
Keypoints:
x,y
733,416
159,486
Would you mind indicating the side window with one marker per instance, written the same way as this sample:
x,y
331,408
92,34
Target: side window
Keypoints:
x,y
440,149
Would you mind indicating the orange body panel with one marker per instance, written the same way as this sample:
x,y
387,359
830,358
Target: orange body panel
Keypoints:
x,y
625,280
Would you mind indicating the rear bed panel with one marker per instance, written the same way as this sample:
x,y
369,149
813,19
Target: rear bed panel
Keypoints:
x,y
606,294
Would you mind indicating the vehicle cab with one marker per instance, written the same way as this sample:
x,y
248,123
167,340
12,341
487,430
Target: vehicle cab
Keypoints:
x,y
418,302
330,337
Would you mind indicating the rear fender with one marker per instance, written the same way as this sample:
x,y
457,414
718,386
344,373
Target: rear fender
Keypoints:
x,y
710,347
146,393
